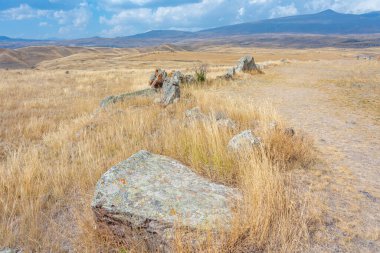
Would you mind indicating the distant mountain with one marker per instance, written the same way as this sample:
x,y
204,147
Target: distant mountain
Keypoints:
x,y
324,23
167,34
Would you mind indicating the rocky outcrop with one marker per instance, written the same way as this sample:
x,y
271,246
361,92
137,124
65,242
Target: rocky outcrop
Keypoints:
x,y
170,90
156,80
183,79
122,97
145,196
244,140
246,64
228,75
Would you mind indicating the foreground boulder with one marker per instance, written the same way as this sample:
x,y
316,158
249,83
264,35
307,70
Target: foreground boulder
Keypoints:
x,y
170,90
246,64
244,140
145,196
122,97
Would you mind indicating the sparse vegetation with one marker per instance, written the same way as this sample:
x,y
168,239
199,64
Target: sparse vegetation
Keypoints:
x,y
201,73
54,147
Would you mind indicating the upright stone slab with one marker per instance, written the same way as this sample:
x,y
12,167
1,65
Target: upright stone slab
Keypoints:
x,y
170,90
145,196
246,64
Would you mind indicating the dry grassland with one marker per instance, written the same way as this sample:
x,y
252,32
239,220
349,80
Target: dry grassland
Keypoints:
x,y
55,144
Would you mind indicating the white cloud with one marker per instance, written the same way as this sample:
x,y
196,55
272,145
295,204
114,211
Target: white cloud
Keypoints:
x,y
282,11
77,18
345,6
22,12
260,1
184,15
119,2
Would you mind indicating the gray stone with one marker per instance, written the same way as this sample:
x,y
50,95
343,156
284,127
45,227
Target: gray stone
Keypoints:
x,y
229,123
9,250
229,74
244,140
246,64
183,79
195,113
171,90
122,97
145,196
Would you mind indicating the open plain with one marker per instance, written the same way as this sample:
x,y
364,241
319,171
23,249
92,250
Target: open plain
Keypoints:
x,y
317,191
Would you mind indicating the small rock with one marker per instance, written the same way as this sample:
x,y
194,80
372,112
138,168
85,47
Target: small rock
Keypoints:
x,y
229,123
146,196
245,139
9,250
290,132
195,113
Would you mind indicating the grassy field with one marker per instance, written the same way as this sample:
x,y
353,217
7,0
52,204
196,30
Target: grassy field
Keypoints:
x,y
55,144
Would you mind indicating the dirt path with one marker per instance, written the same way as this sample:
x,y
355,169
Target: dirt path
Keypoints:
x,y
349,143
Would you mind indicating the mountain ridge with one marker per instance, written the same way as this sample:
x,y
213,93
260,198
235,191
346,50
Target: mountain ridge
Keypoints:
x,y
327,22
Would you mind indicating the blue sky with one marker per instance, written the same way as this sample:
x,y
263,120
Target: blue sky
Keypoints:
x,y
42,19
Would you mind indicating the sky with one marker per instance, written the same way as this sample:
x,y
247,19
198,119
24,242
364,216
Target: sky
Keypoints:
x,y
67,19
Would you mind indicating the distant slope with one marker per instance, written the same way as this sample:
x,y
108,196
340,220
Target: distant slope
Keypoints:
x,y
28,57
326,22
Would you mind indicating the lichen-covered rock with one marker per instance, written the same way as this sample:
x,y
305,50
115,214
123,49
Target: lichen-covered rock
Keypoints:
x,y
122,97
246,64
244,140
170,90
183,79
228,75
228,123
9,250
146,195
195,113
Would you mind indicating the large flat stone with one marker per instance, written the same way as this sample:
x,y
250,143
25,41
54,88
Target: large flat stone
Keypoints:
x,y
145,196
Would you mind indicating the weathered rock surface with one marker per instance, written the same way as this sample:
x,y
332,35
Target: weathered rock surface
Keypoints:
x,y
146,195
183,79
9,250
195,113
220,118
156,80
244,140
170,90
122,97
246,64
229,75
229,123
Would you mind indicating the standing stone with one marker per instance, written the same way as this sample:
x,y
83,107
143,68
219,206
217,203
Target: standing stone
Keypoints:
x,y
147,195
170,90
246,64
156,80
243,140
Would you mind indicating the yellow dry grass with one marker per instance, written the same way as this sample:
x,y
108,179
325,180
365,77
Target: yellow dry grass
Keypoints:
x,y
54,148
